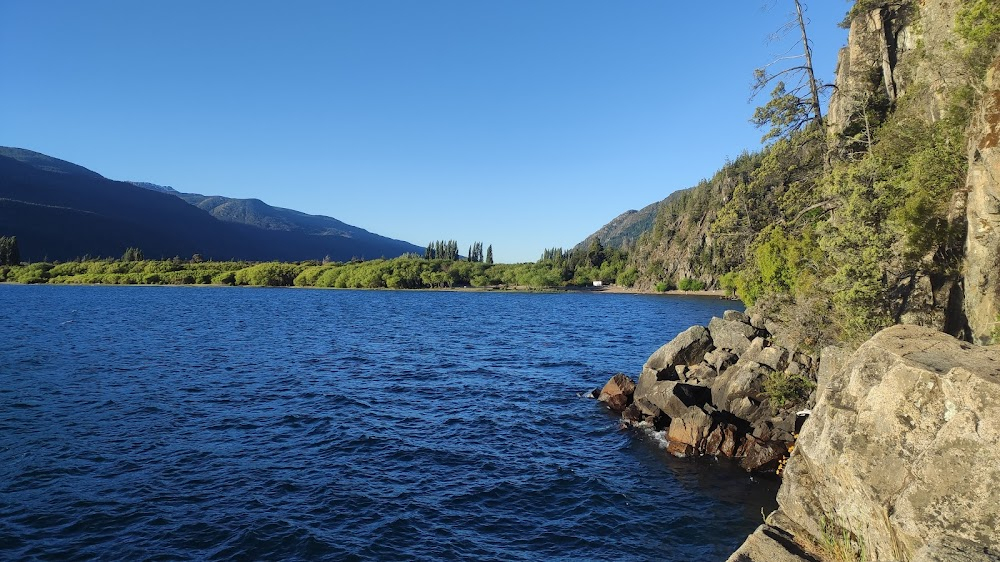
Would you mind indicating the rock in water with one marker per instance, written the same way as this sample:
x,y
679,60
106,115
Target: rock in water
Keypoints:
x,y
617,394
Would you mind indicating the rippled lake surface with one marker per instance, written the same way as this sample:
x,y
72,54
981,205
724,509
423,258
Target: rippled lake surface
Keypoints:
x,y
181,423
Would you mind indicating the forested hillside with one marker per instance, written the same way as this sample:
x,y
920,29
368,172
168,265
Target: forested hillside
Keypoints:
x,y
854,219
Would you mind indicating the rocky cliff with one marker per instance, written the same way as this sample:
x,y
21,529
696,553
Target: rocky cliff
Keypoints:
x,y
898,460
982,245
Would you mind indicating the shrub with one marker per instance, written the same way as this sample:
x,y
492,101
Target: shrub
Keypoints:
x,y
688,284
628,277
662,287
784,389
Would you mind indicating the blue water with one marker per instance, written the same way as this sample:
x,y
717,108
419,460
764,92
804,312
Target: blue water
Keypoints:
x,y
173,423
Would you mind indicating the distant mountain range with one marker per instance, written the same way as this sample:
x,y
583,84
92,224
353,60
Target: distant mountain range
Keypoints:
x,y
60,210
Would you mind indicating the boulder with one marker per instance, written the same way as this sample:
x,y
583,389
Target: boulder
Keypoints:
x,y
617,393
735,316
732,335
688,348
724,439
720,359
903,448
701,375
774,542
674,398
774,357
761,456
742,380
632,415
687,433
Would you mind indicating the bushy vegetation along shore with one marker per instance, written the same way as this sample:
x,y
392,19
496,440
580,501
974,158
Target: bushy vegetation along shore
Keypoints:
x,y
396,273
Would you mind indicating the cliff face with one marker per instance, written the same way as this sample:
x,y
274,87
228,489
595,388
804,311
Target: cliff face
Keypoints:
x,y
912,49
900,455
982,247
882,218
899,458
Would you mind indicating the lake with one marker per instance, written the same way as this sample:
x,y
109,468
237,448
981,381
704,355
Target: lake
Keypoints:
x,y
188,423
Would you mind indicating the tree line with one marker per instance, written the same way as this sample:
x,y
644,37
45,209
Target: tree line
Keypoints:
x,y
407,272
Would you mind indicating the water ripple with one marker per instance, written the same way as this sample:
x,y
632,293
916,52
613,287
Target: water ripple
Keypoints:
x,y
193,424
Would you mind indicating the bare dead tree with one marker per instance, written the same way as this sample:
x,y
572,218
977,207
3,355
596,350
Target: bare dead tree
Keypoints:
x,y
795,99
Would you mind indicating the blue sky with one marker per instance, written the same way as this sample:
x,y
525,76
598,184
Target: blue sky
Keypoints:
x,y
524,124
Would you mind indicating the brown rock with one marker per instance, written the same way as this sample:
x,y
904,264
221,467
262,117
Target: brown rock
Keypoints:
x,y
687,433
724,440
761,456
617,393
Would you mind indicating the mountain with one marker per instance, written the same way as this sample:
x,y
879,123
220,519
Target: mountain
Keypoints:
x,y
46,163
625,229
59,211
155,187
256,213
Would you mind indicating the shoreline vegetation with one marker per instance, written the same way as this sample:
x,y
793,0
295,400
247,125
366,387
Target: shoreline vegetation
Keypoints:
x,y
403,273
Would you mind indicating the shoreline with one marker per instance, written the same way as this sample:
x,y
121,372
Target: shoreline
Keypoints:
x,y
611,289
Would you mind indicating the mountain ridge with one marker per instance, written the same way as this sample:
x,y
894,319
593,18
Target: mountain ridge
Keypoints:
x,y
61,210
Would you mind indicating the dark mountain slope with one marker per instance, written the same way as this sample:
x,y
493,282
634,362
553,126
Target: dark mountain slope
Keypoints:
x,y
256,213
47,163
61,211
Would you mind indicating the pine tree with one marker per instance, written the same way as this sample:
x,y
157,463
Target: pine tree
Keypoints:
x,y
489,255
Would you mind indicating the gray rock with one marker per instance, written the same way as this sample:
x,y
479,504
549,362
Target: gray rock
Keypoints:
x,y
701,375
773,542
674,398
728,334
720,359
955,550
774,357
757,320
688,348
739,381
903,447
735,316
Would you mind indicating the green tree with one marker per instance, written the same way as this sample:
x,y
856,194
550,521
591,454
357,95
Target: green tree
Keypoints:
x,y
10,253
132,254
489,255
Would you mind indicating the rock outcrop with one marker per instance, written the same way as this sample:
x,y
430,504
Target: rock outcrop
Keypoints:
x,y
982,244
899,459
724,390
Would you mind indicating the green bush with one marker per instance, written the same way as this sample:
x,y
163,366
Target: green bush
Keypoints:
x,y
628,277
784,389
688,284
662,287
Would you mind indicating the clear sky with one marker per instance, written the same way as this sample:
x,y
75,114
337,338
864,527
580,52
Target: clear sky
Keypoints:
x,y
524,124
